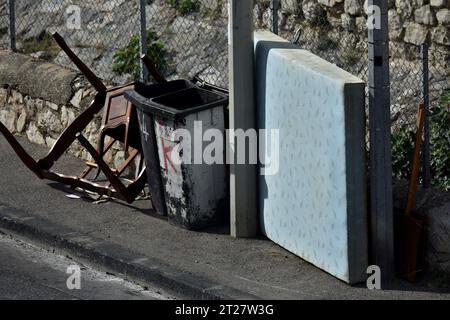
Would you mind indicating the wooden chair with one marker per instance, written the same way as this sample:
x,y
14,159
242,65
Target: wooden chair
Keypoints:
x,y
119,123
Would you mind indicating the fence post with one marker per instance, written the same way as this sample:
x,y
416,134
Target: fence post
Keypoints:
x,y
274,7
426,102
381,215
12,24
243,178
143,39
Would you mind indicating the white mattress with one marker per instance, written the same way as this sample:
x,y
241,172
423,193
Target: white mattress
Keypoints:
x,y
315,206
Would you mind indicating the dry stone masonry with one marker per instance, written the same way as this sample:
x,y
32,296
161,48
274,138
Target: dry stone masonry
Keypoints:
x,y
196,43
39,100
411,21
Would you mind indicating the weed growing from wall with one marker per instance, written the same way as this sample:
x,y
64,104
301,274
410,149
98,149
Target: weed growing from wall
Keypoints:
x,y
184,6
127,59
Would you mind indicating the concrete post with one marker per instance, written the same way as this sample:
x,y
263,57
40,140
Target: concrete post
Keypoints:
x,y
243,179
143,39
382,230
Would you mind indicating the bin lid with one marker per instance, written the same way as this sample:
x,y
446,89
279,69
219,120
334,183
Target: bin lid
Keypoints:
x,y
180,103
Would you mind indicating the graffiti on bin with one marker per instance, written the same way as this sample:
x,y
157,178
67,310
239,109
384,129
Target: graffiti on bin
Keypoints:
x,y
167,150
165,135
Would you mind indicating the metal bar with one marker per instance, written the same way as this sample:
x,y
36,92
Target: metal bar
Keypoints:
x,y
243,178
12,24
150,66
275,6
426,101
143,39
381,220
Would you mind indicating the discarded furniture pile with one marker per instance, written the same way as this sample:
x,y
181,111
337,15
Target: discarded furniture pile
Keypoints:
x,y
120,123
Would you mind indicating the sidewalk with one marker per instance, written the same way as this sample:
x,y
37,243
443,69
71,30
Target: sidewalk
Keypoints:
x,y
131,241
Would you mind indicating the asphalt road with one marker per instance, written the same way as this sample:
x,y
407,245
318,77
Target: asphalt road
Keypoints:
x,y
29,272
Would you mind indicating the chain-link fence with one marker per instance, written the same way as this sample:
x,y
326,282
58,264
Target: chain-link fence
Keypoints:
x,y
418,75
194,36
439,75
94,30
4,24
188,38
185,38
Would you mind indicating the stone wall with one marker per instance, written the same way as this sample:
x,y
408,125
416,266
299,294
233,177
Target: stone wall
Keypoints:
x,y
337,31
411,21
195,44
39,100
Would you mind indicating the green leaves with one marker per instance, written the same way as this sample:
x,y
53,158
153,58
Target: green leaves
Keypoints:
x,y
440,143
402,152
403,146
184,6
126,60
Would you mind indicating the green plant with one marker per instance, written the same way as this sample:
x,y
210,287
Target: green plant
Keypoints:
x,y
127,60
403,146
350,58
402,151
440,143
324,42
184,6
3,31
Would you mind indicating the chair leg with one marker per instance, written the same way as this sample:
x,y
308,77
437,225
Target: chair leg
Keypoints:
x,y
69,135
113,179
122,168
20,151
138,185
102,153
90,76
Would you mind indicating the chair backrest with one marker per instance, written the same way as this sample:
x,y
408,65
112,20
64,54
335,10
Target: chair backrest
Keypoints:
x,y
119,117
118,114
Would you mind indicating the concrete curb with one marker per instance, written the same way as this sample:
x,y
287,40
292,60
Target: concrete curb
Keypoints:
x,y
113,258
